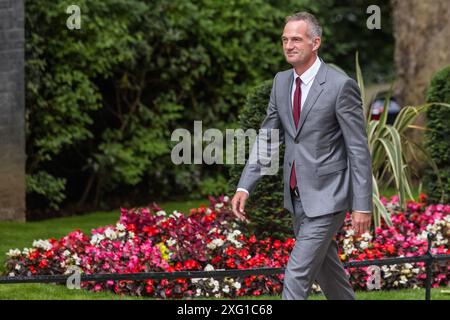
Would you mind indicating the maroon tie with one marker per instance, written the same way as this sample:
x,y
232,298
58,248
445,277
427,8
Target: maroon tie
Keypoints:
x,y
296,111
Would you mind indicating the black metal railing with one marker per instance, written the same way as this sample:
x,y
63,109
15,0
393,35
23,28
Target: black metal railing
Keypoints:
x,y
428,258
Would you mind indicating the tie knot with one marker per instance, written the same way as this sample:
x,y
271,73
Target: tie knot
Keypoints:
x,y
298,81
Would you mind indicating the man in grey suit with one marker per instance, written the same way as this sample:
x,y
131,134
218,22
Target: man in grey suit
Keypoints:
x,y
327,163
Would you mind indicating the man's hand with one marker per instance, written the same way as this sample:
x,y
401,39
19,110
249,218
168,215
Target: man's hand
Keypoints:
x,y
238,205
361,222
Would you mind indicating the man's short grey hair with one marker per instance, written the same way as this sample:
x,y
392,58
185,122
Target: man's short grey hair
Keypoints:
x,y
314,30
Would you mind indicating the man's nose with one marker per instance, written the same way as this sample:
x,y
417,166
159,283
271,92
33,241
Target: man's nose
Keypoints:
x,y
289,45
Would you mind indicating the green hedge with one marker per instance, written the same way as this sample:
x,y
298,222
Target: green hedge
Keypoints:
x,y
437,136
265,204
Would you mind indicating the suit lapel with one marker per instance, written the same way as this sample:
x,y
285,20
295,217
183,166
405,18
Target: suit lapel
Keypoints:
x,y
313,94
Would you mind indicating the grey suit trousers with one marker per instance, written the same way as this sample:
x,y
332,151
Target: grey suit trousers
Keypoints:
x,y
315,257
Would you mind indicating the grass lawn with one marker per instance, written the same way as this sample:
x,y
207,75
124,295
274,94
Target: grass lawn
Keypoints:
x,y
60,292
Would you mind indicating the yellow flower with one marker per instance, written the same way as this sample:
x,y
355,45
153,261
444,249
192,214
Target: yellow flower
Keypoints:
x,y
164,251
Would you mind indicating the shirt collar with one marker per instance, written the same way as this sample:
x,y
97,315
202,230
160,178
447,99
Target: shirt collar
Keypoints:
x,y
309,74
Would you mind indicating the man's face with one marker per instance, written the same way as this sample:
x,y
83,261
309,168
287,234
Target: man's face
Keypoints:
x,y
297,46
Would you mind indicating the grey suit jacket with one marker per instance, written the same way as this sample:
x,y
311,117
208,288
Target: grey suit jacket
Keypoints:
x,y
330,149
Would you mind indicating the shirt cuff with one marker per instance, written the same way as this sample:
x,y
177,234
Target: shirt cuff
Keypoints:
x,y
363,211
242,189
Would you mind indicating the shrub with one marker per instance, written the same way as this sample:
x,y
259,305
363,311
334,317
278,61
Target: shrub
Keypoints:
x,y
265,204
437,136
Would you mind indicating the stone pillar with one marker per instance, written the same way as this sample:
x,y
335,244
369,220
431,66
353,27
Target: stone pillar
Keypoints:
x,y
12,110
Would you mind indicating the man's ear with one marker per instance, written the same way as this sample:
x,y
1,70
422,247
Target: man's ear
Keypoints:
x,y
317,42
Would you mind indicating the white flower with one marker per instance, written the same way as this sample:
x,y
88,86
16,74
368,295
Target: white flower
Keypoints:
x,y
66,253
76,259
131,234
198,292
17,267
364,245
11,274
212,230
393,267
120,227
406,271
226,289
110,234
350,233
238,245
219,205
208,211
366,236
218,242
211,246
403,280
209,268
177,214
97,238
13,253
237,285
226,198
161,213
43,244
171,242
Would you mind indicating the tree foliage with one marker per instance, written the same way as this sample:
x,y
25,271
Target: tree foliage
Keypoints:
x,y
102,101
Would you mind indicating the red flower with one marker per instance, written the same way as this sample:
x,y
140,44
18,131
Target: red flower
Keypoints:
x,y
390,248
230,263
34,255
149,289
277,244
423,197
252,239
43,264
216,259
151,230
191,264
230,251
131,227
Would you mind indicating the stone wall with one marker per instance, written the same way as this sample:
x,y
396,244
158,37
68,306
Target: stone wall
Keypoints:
x,y
12,110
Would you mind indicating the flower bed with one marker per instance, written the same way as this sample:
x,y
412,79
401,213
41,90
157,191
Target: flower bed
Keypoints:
x,y
150,240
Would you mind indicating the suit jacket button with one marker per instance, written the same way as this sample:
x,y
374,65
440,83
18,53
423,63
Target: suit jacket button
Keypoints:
x,y
296,141
290,164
